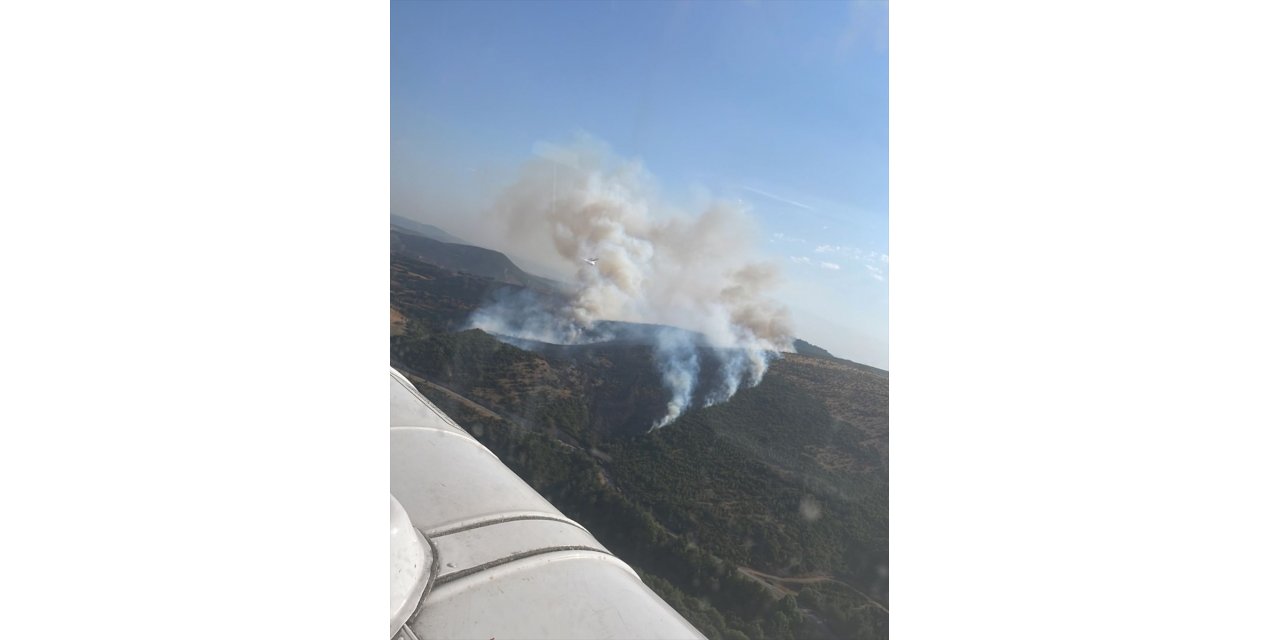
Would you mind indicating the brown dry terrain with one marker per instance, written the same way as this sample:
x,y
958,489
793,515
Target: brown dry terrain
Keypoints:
x,y
861,405
474,406
398,322
781,586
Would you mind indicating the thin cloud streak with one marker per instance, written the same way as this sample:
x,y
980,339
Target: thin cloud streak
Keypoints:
x,y
778,198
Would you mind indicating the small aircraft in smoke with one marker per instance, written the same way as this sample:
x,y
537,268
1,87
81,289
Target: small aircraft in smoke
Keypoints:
x,y
590,261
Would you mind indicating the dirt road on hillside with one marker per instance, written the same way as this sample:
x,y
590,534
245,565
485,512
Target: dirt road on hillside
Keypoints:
x,y
778,584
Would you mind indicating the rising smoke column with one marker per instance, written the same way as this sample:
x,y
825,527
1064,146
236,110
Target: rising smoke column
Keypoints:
x,y
677,361
655,263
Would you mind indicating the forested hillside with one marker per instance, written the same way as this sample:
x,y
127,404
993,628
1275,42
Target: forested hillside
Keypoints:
x,y
764,517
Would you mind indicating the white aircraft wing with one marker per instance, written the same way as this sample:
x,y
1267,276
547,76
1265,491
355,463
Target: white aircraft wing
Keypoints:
x,y
477,553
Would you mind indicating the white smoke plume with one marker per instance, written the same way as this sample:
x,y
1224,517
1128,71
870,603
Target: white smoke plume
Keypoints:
x,y
677,359
527,316
653,263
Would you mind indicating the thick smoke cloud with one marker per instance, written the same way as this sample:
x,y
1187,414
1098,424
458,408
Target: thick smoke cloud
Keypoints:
x,y
653,263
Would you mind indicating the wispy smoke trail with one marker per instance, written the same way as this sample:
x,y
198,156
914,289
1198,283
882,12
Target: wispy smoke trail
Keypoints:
x,y
529,316
678,363
653,263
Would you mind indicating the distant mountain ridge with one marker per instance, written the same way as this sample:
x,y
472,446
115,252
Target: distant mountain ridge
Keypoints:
x,y
423,229
809,349
474,260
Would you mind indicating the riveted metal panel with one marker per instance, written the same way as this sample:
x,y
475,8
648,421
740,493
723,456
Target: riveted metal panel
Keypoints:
x,y
467,550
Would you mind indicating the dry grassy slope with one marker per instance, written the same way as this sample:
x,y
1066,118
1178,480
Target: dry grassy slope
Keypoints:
x,y
435,297
398,322
524,381
851,395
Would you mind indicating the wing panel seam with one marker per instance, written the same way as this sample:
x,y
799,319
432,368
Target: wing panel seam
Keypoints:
x,y
505,519
431,580
518,556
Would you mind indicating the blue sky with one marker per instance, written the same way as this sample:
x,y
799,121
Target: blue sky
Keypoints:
x,y
781,105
